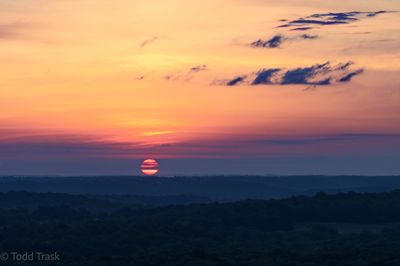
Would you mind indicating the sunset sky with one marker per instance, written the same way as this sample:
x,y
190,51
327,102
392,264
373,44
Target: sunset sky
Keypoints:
x,y
205,87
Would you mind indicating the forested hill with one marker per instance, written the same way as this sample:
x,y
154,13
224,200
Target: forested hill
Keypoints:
x,y
32,200
294,231
341,207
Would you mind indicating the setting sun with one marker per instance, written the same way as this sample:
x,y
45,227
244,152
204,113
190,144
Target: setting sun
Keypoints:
x,y
149,167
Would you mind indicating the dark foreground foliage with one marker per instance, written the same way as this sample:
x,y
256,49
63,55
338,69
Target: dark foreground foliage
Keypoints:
x,y
251,232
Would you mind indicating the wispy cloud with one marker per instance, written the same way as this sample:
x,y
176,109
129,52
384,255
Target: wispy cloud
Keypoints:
x,y
310,22
27,144
148,41
277,40
301,28
187,75
273,42
350,75
329,19
308,36
198,68
236,81
31,146
319,74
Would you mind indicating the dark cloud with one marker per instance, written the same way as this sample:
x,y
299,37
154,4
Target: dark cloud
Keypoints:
x,y
198,68
326,19
350,16
308,36
235,81
350,75
308,23
373,14
148,41
308,75
317,22
193,71
301,28
264,76
316,75
277,40
273,42
344,66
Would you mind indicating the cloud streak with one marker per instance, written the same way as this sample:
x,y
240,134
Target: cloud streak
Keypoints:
x,y
273,42
198,68
310,22
329,19
277,40
148,41
26,145
187,75
317,75
236,81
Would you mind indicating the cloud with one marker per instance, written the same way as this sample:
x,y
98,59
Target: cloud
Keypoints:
x,y
277,40
198,68
301,28
273,42
308,23
249,144
264,76
308,36
187,75
35,145
312,21
308,75
41,145
148,41
350,75
340,137
235,81
316,75
327,19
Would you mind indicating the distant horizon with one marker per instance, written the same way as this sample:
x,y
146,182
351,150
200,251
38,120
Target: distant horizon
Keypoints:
x,y
337,166
187,176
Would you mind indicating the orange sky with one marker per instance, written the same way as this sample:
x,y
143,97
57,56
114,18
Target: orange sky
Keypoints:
x,y
97,70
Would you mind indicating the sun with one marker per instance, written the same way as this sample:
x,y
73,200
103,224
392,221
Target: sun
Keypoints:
x,y
149,167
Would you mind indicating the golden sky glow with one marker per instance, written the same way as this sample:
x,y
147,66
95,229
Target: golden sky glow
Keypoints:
x,y
121,72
